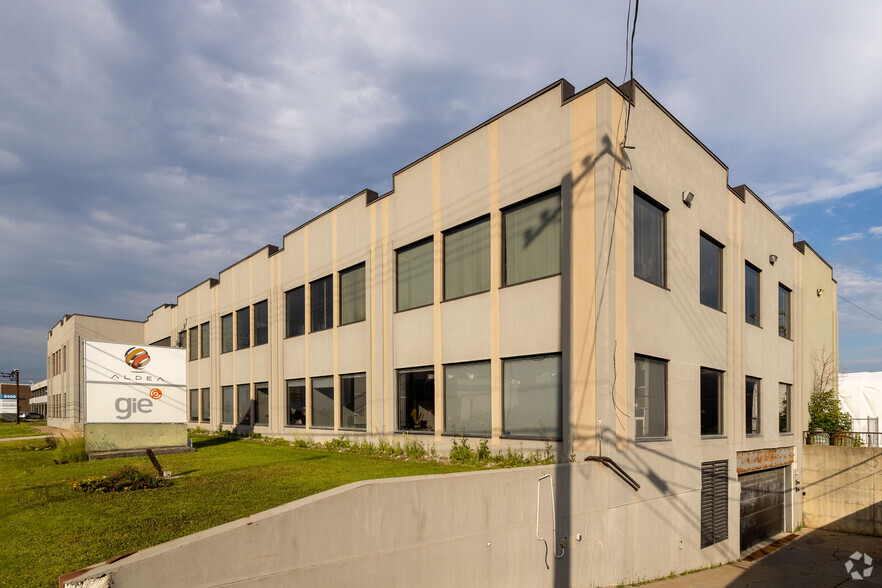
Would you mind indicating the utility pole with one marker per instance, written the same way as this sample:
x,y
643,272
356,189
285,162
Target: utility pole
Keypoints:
x,y
11,375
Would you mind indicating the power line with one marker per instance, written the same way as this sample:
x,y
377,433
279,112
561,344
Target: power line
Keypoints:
x,y
859,308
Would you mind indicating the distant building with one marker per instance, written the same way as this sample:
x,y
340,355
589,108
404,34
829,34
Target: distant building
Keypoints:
x,y
575,270
38,397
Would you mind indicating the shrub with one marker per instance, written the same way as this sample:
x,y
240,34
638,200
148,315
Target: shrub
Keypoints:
x,y
825,412
70,451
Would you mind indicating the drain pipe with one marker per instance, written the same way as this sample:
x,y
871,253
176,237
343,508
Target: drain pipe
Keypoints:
x,y
553,520
609,462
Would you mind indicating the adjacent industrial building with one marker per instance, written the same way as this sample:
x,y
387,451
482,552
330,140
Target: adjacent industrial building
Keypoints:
x,y
576,269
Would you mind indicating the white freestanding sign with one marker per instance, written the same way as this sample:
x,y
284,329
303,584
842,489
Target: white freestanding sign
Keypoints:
x,y
134,383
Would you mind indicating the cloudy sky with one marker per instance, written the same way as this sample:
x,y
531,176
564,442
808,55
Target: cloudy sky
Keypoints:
x,y
146,146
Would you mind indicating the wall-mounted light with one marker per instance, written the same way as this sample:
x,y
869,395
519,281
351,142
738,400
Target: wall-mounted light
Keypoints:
x,y
820,291
688,197
773,258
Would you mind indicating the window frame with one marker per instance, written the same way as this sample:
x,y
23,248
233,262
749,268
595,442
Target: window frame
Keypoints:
x,y
749,417
225,420
351,407
430,241
243,340
523,204
313,404
290,302
720,421
785,398
705,238
450,428
757,295
343,287
205,340
193,417
785,330
327,299
651,203
205,406
289,419
261,323
401,410
193,343
507,399
246,419
445,235
650,360
227,329
260,410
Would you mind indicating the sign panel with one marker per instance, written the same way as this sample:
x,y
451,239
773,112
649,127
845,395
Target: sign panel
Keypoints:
x,y
7,404
134,383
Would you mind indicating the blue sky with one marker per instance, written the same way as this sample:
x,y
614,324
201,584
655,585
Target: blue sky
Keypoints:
x,y
146,146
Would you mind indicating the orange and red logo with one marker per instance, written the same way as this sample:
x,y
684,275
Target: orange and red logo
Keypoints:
x,y
137,358
155,393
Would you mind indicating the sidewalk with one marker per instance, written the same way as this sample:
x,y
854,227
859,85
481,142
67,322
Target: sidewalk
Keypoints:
x,y
814,559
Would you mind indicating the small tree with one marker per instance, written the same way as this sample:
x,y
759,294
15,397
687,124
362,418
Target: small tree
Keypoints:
x,y
825,412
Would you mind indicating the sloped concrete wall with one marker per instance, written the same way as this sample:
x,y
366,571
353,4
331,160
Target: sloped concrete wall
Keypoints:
x,y
470,529
843,488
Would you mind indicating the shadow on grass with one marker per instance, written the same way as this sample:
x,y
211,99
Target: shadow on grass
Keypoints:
x,y
214,441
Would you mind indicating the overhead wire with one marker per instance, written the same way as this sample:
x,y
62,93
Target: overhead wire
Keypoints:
x,y
859,308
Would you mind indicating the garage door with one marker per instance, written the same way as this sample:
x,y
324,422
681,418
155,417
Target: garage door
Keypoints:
x,y
762,505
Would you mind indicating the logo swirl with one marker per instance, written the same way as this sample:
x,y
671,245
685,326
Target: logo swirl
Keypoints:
x,y
155,393
137,358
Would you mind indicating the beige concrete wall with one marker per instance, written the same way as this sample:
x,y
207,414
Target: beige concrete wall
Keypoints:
x,y
116,436
843,489
470,529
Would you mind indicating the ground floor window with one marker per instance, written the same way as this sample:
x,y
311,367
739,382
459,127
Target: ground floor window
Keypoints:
x,y
296,402
467,399
261,403
323,402
784,416
227,405
532,397
711,402
353,401
650,397
206,405
194,405
714,502
752,406
416,399
244,402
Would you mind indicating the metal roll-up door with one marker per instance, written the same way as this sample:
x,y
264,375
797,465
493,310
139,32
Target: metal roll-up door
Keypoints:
x,y
762,505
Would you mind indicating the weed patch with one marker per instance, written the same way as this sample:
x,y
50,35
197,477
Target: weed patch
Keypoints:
x,y
126,478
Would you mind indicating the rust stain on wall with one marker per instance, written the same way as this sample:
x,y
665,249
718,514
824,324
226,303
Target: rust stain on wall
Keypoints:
x,y
764,459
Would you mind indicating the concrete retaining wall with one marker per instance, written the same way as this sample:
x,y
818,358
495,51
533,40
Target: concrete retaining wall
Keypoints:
x,y
843,488
470,529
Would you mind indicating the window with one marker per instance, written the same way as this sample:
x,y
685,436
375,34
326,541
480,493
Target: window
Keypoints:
x,y
295,312
323,402
711,273
64,359
205,339
182,339
711,402
784,311
162,342
752,406
532,239
353,401
650,397
227,409
467,259
261,323
261,403
194,405
206,405
244,401
532,397
243,328
784,413
751,295
321,304
714,502
296,401
467,399
352,306
194,344
649,240
415,275
227,333
416,399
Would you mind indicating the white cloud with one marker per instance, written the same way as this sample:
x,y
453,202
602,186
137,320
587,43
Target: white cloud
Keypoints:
x,y
849,237
876,231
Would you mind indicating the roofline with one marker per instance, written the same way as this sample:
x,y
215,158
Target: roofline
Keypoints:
x,y
801,246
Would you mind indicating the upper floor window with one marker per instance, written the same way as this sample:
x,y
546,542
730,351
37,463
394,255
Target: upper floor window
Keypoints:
x,y
227,333
321,304
532,232
261,322
751,295
752,406
784,311
194,343
650,397
467,259
415,279
205,339
784,413
711,273
243,328
295,312
649,240
352,298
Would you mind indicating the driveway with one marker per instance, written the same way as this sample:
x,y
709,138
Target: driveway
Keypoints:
x,y
812,558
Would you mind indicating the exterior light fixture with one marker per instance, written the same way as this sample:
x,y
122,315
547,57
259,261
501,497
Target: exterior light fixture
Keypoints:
x,y
773,258
688,197
820,291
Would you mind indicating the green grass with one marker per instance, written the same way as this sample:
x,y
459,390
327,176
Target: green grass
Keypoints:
x,y
49,529
8,429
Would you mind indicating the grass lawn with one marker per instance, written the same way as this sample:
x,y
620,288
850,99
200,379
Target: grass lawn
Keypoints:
x,y
24,429
49,529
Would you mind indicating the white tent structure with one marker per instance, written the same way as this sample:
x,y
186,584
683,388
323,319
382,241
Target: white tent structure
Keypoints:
x,y
861,396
